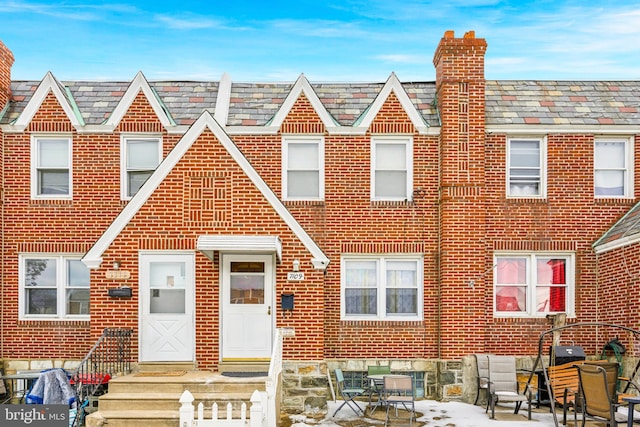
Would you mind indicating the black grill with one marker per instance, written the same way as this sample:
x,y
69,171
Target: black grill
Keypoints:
x,y
566,353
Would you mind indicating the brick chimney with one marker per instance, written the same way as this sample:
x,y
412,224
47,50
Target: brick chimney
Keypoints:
x,y
6,61
460,97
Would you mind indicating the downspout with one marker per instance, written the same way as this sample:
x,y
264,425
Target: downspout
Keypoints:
x,y
439,236
2,248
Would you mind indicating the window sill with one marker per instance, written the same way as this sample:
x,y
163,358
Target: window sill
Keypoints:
x,y
386,323
303,202
56,323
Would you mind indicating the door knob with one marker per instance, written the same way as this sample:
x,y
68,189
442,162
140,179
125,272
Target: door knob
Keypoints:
x,y
269,310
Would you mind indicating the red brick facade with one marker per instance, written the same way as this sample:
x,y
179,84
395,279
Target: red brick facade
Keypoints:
x,y
457,218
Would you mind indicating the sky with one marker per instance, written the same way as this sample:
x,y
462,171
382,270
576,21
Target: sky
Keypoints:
x,y
328,40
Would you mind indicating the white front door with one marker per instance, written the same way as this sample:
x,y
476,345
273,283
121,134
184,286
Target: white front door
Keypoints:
x,y
166,307
247,321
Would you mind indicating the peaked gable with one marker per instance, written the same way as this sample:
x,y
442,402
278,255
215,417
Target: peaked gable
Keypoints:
x,y
625,232
50,84
302,86
394,86
93,257
140,84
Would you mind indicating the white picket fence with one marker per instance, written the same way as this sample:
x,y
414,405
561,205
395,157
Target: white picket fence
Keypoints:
x,y
264,404
257,416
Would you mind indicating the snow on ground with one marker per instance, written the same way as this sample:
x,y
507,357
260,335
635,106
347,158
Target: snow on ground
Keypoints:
x,y
438,414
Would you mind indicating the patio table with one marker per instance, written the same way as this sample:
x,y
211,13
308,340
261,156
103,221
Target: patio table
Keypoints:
x,y
26,378
632,400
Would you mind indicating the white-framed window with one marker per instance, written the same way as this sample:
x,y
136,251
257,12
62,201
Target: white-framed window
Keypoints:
x,y
613,174
391,168
303,167
534,284
51,167
386,287
53,286
526,167
140,158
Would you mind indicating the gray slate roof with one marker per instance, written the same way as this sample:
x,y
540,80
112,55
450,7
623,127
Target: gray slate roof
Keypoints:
x,y
254,104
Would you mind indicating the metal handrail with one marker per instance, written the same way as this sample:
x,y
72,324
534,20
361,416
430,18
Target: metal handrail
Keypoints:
x,y
110,355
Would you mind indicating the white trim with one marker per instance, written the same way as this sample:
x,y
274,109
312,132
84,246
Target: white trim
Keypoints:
x,y
616,244
381,261
93,258
48,84
34,166
543,167
628,169
124,138
139,83
239,244
521,129
393,85
531,256
407,141
223,99
311,139
61,295
302,86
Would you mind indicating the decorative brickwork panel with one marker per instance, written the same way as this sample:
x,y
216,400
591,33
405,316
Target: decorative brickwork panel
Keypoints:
x,y
207,200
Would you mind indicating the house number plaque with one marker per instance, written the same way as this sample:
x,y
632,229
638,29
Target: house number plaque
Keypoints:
x,y
118,274
295,276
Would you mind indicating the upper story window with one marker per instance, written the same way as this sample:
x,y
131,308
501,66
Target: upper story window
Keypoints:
x,y
140,157
53,287
526,174
303,168
534,284
51,167
391,168
612,167
381,287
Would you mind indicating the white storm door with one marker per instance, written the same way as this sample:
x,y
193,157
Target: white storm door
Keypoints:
x,y
166,307
247,321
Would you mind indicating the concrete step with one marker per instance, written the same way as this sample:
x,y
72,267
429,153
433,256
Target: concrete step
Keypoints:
x,y
153,399
195,382
133,418
167,401
164,366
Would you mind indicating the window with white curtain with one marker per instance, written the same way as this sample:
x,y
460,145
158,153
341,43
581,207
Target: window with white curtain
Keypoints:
x,y
391,168
533,284
382,287
51,167
526,167
140,158
303,168
612,164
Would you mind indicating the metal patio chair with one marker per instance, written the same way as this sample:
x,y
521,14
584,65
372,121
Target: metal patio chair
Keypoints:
x,y
348,394
482,363
504,386
398,390
599,395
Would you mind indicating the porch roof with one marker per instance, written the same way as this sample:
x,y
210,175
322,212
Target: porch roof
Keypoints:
x,y
240,243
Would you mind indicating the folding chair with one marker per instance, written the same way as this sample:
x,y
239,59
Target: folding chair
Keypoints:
x,y
348,394
503,385
599,394
398,390
482,363
375,384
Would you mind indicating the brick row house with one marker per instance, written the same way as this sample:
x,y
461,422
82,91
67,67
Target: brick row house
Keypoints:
x,y
408,222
